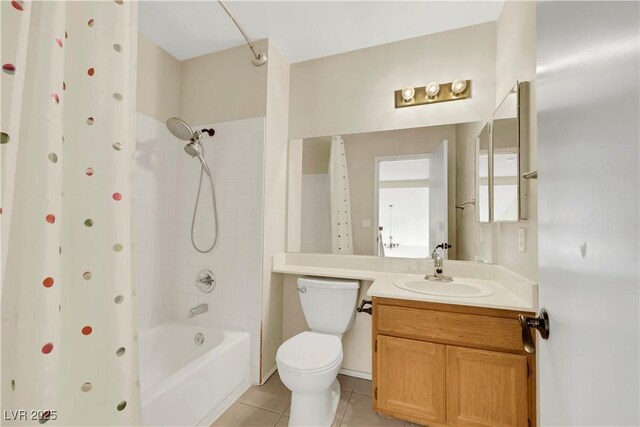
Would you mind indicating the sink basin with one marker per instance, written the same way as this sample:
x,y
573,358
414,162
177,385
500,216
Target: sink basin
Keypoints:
x,y
444,289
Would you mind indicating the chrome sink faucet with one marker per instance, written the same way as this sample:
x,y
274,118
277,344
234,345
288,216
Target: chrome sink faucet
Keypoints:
x,y
198,309
438,261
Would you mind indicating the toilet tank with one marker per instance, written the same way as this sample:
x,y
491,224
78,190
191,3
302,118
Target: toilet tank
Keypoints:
x,y
329,305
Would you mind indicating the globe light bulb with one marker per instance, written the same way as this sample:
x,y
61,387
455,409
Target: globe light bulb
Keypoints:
x,y
408,92
433,89
458,86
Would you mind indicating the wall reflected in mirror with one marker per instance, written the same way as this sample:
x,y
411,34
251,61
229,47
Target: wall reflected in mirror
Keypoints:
x,y
407,193
483,188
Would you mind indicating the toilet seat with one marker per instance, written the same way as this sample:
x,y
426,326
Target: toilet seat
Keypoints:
x,y
310,352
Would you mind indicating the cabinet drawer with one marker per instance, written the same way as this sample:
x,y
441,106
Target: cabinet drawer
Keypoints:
x,y
500,333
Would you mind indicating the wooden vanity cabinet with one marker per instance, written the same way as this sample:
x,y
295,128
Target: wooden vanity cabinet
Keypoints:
x,y
441,364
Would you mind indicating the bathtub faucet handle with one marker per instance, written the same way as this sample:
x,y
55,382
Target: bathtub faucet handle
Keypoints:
x,y
205,281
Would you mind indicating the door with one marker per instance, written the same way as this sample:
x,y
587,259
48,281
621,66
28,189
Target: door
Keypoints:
x,y
410,379
486,388
438,200
588,150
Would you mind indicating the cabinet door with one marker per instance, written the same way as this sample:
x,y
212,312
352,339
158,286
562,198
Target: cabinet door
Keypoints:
x,y
486,388
410,379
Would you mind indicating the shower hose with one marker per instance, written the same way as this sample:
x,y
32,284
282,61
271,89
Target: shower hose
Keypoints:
x,y
195,210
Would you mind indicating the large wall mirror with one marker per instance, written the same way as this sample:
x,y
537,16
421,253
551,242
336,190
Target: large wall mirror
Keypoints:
x,y
393,193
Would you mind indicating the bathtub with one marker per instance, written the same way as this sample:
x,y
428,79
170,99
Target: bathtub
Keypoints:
x,y
183,383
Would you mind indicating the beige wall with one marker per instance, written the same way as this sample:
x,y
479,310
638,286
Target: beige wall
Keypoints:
x,y
223,86
275,204
353,92
218,87
516,60
315,155
158,92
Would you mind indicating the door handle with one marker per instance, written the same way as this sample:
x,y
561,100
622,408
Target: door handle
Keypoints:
x,y
539,322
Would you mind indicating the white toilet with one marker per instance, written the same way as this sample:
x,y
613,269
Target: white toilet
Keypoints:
x,y
309,362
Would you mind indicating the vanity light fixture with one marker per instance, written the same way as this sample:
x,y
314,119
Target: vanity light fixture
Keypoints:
x,y
432,89
407,93
458,86
434,92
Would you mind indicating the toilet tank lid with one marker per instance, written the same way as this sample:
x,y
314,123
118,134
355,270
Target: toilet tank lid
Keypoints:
x,y
328,283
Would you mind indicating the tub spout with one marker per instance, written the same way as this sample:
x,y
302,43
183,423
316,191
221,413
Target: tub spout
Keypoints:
x,y
198,309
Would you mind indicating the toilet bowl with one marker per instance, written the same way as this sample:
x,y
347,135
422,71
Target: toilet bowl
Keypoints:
x,y
308,365
309,362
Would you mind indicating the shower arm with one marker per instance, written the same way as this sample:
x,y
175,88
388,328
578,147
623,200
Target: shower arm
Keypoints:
x,y
258,58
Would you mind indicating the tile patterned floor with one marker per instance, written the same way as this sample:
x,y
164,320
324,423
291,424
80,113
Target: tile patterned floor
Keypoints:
x,y
268,406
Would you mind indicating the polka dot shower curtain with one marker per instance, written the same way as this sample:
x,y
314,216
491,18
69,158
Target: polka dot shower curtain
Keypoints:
x,y
341,236
67,122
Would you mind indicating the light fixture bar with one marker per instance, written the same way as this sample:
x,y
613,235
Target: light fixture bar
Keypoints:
x,y
420,96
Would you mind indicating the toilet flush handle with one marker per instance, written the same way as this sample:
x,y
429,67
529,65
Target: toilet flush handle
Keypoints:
x,y
362,309
302,289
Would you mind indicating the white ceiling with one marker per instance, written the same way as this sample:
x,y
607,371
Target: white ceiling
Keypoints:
x,y
303,30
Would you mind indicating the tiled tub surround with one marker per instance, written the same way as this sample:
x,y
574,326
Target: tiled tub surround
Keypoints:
x,y
511,291
166,180
234,155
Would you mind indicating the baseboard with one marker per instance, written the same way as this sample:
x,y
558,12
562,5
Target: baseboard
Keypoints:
x,y
271,372
357,374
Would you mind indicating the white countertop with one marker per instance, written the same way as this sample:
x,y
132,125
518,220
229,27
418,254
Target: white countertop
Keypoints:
x,y
510,291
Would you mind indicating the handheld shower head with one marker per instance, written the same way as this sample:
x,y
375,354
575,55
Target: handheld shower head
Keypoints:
x,y
179,129
194,149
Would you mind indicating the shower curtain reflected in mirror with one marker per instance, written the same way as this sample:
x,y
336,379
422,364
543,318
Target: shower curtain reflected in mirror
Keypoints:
x,y
68,102
340,199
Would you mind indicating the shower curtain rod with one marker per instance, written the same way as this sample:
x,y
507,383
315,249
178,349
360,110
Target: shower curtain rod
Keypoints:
x,y
258,58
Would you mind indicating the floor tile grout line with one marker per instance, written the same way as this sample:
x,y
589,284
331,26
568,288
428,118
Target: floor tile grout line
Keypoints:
x,y
345,408
264,409
277,422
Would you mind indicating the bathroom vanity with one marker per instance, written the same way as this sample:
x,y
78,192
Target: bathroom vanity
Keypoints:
x,y
447,364
442,353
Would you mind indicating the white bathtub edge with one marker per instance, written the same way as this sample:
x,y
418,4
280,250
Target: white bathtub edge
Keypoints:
x,y
215,379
